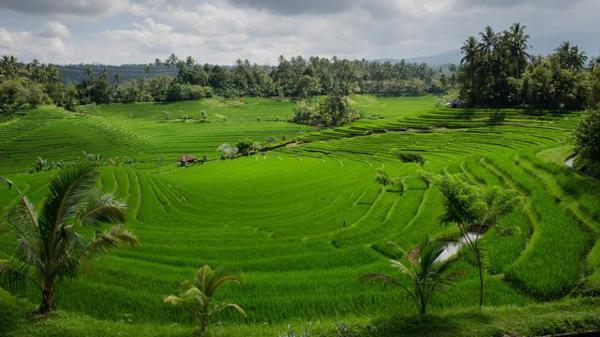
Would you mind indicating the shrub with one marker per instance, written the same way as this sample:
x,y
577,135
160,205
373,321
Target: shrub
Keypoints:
x,y
409,157
333,111
246,147
20,93
587,136
227,151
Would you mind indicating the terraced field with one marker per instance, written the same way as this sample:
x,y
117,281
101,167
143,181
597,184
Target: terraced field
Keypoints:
x,y
303,222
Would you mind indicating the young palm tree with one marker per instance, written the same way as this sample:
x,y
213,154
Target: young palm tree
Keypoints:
x,y
196,296
49,246
425,270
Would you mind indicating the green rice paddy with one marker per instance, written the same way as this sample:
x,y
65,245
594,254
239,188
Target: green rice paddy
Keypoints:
x,y
301,223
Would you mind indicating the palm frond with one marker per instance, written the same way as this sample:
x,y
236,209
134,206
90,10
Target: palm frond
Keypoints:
x,y
68,189
222,306
102,209
202,278
220,277
173,300
11,276
116,236
401,267
72,247
8,182
379,277
23,218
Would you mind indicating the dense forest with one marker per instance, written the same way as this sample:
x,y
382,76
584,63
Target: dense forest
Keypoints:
x,y
497,71
30,84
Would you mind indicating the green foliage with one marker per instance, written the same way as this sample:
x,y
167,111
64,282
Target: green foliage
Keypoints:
x,y
49,244
587,136
594,94
424,269
475,209
228,151
247,147
489,63
497,71
409,157
272,215
197,296
183,91
42,165
472,206
335,110
547,83
382,178
20,93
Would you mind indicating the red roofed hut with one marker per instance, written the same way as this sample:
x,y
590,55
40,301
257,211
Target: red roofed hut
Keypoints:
x,y
187,159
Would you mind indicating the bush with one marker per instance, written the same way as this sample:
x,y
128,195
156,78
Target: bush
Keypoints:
x,y
408,157
587,137
246,147
182,91
227,151
20,93
333,111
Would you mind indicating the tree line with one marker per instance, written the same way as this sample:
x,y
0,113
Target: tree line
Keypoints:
x,y
497,71
26,85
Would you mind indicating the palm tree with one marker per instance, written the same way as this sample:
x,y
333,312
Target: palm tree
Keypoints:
x,y
488,40
196,296
425,270
469,50
474,210
570,56
517,47
49,246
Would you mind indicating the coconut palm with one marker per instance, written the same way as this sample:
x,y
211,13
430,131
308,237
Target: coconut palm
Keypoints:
x,y
469,50
197,296
488,40
425,270
570,56
517,40
49,244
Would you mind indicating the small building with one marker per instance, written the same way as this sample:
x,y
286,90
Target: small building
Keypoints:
x,y
187,159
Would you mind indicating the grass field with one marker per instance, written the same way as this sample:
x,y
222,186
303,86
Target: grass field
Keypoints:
x,y
303,222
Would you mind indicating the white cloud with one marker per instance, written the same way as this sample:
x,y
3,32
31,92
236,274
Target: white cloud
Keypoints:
x,y
70,7
46,45
54,29
219,31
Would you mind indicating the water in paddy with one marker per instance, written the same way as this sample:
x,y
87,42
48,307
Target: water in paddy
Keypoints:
x,y
452,248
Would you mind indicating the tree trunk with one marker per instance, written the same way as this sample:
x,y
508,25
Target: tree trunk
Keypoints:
x,y
47,304
480,269
203,323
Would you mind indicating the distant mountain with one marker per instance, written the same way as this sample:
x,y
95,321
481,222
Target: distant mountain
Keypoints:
x,y
541,45
445,58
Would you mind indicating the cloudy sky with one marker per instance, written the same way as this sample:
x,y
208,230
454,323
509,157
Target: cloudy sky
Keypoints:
x,y
220,31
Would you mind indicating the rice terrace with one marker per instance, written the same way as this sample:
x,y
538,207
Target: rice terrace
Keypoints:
x,y
318,196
